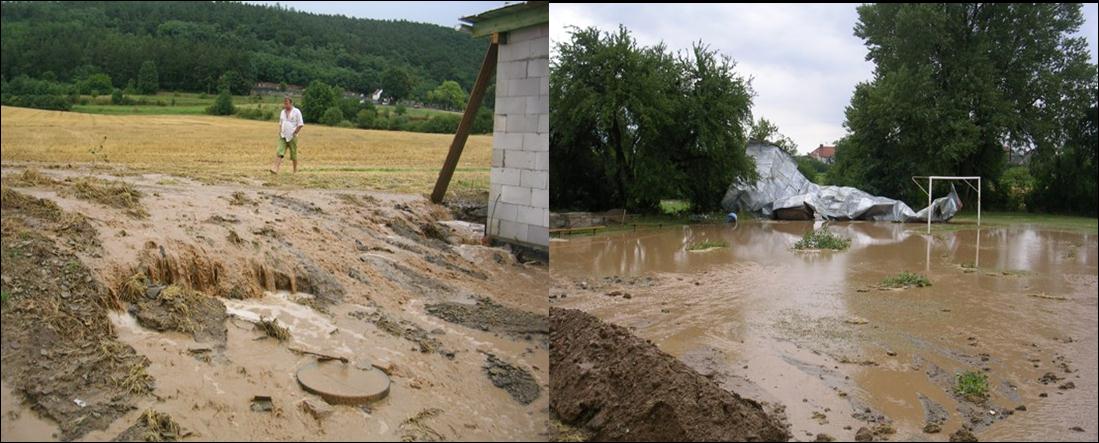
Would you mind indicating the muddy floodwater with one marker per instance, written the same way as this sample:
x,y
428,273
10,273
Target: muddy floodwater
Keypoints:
x,y
817,335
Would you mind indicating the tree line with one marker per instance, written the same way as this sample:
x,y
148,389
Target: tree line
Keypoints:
x,y
193,45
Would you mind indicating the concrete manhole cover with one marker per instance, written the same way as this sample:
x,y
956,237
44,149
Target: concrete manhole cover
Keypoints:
x,y
341,383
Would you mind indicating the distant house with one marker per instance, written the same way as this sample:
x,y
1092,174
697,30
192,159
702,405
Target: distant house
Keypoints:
x,y
376,97
269,88
1018,155
824,154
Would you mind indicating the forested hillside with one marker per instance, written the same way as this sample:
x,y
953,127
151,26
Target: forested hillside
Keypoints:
x,y
193,44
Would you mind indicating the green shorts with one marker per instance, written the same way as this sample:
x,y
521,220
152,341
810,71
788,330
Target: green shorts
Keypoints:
x,y
293,144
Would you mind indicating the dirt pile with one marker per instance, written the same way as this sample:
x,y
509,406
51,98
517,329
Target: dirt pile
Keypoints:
x,y
59,350
174,308
621,388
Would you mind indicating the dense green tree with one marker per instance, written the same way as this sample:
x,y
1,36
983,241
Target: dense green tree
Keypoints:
x,y
764,131
449,95
317,99
632,125
148,81
193,43
955,85
397,83
95,84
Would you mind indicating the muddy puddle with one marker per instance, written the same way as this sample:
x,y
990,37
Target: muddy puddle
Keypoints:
x,y
815,333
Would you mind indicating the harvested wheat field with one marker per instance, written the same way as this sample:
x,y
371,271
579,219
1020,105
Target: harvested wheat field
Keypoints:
x,y
176,293
222,149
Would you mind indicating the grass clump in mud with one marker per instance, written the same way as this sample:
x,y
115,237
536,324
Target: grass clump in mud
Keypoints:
x,y
273,329
153,426
4,297
240,199
906,280
174,308
29,178
137,381
116,194
822,239
706,245
971,385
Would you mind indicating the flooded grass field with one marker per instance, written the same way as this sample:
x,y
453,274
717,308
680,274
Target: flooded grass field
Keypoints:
x,y
999,339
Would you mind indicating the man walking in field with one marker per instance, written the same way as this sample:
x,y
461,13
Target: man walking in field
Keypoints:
x,y
290,124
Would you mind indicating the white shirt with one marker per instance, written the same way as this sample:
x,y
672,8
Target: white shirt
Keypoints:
x,y
290,123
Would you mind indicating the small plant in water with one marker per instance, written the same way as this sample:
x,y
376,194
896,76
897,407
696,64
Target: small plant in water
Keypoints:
x,y
905,280
706,244
971,385
822,239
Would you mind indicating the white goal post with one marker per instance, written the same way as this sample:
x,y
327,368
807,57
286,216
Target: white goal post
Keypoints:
x,y
968,180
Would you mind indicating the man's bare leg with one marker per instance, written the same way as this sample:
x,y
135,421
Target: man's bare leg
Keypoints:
x,y
277,165
295,162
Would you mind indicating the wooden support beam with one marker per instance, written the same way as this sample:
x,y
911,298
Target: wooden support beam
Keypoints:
x,y
476,96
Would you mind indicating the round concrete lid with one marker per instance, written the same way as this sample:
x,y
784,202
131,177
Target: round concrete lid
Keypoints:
x,y
341,383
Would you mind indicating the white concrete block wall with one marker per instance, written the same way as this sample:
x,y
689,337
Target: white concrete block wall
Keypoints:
x,y
519,191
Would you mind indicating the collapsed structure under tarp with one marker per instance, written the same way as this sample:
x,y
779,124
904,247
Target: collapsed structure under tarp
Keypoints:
x,y
782,192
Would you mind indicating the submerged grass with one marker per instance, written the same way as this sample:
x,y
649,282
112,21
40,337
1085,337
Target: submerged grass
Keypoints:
x,y
971,384
822,239
906,280
707,244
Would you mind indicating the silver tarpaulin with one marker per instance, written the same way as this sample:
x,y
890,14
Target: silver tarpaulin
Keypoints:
x,y
782,192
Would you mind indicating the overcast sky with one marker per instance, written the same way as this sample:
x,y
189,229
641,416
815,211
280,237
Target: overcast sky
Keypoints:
x,y
804,60
439,13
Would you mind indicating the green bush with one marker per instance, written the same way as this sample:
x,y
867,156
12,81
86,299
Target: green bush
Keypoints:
x,y
706,244
366,118
438,124
257,113
822,239
332,117
905,280
223,105
971,384
49,102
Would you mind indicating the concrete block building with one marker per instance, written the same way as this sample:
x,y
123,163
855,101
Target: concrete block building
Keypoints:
x,y
518,209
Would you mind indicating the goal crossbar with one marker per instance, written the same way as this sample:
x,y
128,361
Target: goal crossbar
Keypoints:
x,y
968,180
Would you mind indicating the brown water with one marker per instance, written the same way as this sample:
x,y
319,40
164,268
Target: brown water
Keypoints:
x,y
812,331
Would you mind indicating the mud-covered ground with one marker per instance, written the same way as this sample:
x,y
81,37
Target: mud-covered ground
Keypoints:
x,y
141,305
818,335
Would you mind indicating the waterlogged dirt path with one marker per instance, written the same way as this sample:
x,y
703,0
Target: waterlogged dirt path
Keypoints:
x,y
349,274
812,331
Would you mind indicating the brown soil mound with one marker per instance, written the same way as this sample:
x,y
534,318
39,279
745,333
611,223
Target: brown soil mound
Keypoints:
x,y
622,388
